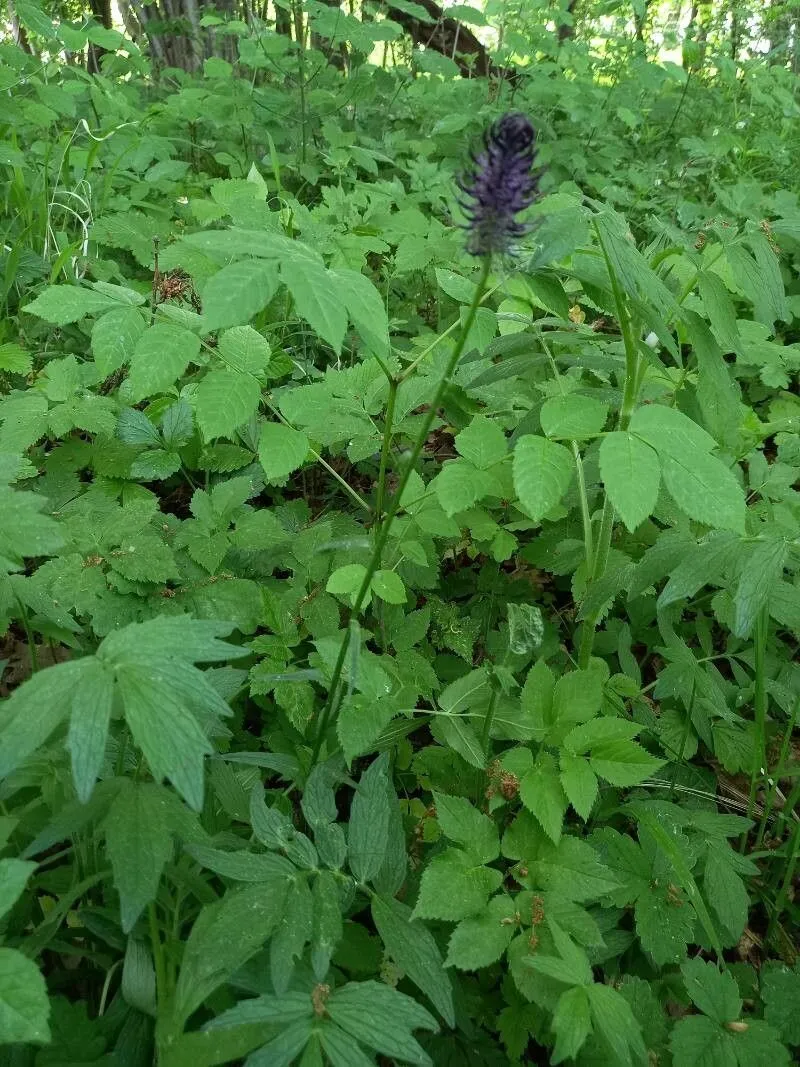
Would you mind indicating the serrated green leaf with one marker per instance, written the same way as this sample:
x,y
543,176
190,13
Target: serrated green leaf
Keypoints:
x,y
697,1041
233,295
700,563
615,1022
164,727
720,310
360,722
88,726
480,941
631,474
761,572
365,308
388,585
457,486
281,450
665,925
244,350
382,1018
224,936
468,827
347,580
573,416
455,887
34,710
413,947
225,400
670,432
24,1006
713,991
623,763
161,356
579,783
369,821
571,1023
115,336
14,359
14,873
314,291
482,443
706,490
725,891
62,304
139,843
541,793
542,474
780,992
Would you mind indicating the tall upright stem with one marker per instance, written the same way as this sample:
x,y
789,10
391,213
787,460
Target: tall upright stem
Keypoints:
x,y
388,430
629,394
333,701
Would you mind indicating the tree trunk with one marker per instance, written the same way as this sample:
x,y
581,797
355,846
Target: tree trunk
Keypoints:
x,y
101,10
18,31
447,36
283,20
566,26
640,21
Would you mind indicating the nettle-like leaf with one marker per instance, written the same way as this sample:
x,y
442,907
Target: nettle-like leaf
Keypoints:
x,y
161,355
573,416
631,473
281,450
233,295
62,304
700,484
543,471
224,401
719,1027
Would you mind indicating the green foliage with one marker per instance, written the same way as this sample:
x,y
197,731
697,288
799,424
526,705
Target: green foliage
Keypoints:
x,y
399,663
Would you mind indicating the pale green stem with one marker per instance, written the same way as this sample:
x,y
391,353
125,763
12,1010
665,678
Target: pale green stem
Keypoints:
x,y
630,392
331,706
388,430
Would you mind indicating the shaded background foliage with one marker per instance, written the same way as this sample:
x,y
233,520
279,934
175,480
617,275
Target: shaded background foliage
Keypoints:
x,y
544,809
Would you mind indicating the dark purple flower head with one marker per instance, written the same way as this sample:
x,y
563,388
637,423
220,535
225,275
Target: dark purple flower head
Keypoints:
x,y
500,185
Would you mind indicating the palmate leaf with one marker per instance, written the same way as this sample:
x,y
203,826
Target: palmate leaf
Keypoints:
x,y
413,947
225,935
165,701
139,842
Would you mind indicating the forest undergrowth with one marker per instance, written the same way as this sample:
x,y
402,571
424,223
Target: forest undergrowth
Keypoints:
x,y
400,543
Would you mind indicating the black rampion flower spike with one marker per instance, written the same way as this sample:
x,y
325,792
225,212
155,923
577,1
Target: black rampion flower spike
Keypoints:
x,y
500,185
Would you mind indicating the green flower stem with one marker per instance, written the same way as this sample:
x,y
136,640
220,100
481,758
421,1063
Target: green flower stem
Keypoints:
x,y
759,768
333,701
157,950
629,395
776,773
586,518
388,430
787,881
